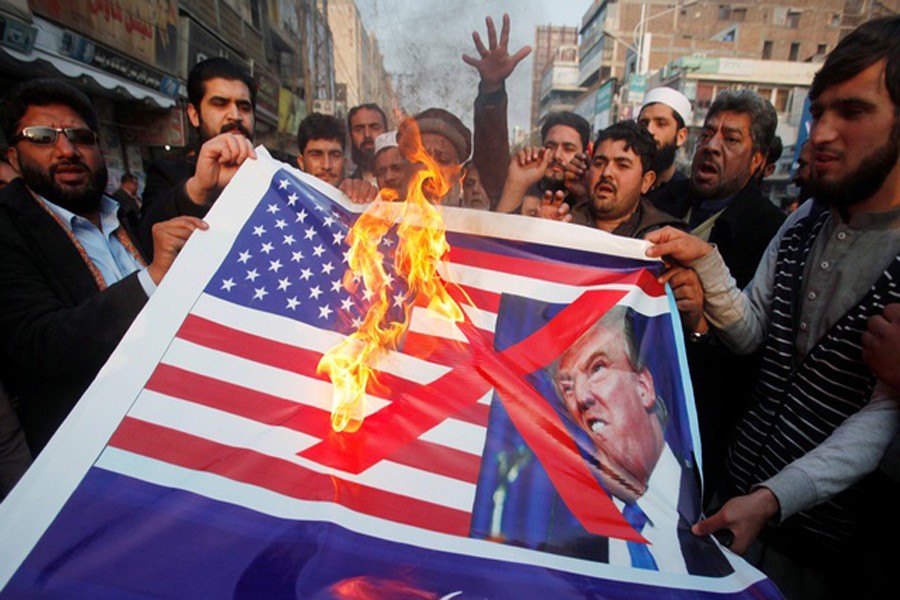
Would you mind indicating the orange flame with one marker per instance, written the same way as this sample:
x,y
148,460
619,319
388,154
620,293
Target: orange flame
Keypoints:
x,y
377,588
420,232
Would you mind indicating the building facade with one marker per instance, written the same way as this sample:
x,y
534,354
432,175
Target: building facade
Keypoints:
x,y
132,58
359,65
547,41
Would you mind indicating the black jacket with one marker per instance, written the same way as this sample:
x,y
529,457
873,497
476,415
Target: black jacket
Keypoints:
x,y
723,382
743,230
56,327
164,196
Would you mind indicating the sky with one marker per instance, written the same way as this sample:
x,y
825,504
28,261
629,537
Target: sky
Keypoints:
x,y
423,42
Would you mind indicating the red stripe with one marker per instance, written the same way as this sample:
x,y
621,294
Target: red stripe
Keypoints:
x,y
482,299
550,270
262,350
411,413
272,410
283,477
456,464
477,414
435,349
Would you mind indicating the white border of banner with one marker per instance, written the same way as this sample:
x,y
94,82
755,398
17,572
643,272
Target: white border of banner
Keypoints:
x,y
31,507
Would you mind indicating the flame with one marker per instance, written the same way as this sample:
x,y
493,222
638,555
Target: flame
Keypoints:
x,y
420,232
377,588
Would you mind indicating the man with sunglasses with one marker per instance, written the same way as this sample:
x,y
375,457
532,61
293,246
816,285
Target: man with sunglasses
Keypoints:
x,y
72,277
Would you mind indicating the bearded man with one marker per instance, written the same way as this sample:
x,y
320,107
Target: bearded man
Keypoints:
x,y
222,108
799,490
665,113
72,276
365,123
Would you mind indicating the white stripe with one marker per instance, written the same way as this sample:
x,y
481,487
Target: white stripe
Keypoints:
x,y
279,383
431,323
282,443
544,232
428,322
480,318
210,423
257,376
541,290
301,335
461,435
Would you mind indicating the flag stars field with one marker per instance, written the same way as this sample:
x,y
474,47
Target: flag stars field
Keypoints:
x,y
321,271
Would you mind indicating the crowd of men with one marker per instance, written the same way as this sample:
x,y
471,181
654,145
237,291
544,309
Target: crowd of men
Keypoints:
x,y
792,326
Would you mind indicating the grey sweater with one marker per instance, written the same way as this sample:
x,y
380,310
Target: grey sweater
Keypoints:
x,y
845,260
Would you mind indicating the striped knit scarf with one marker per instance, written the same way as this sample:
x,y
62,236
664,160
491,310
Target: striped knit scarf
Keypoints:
x,y
797,405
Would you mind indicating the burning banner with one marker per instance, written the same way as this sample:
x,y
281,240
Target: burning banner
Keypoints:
x,y
538,444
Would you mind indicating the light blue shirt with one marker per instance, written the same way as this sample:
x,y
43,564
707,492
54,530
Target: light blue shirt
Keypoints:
x,y
103,248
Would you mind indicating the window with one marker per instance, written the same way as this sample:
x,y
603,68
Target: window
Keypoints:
x,y
822,49
705,93
795,51
780,101
738,14
793,19
767,50
729,35
255,10
764,93
724,12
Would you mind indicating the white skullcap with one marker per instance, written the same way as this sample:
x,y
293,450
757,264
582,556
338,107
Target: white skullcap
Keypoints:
x,y
671,98
385,141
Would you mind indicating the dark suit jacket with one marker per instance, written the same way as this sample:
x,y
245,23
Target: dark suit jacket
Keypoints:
x,y
164,196
15,457
126,201
722,381
701,555
742,231
56,327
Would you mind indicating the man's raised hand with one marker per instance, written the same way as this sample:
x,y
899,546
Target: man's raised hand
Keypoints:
x,y
218,161
495,64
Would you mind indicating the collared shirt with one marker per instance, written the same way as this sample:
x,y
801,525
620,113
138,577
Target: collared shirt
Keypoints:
x,y
103,248
660,504
845,260
705,209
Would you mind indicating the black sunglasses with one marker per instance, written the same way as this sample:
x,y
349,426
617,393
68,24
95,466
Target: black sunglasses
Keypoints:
x,y
47,136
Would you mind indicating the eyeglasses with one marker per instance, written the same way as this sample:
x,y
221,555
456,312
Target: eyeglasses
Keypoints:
x,y
47,136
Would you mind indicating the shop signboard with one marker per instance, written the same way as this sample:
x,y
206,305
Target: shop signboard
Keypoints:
x,y
144,30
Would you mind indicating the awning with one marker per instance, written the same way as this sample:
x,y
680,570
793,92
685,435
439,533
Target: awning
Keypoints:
x,y
45,61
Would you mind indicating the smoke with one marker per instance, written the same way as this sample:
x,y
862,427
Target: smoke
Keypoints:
x,y
423,44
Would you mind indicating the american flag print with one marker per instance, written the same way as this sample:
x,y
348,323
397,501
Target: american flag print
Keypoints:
x,y
222,475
